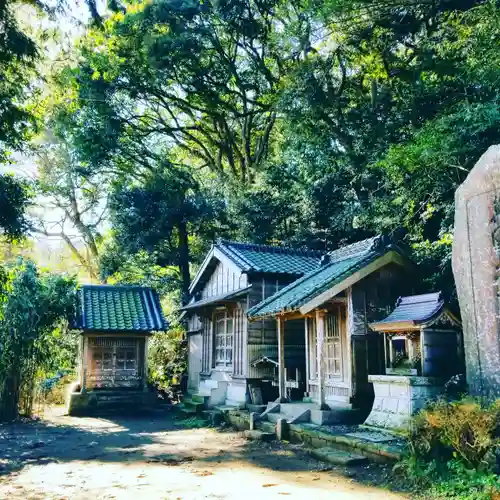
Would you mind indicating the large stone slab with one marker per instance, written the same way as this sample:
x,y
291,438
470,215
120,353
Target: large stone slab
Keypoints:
x,y
476,257
398,398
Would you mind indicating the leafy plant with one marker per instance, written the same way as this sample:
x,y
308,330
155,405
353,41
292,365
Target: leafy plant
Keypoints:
x,y
32,305
464,430
168,359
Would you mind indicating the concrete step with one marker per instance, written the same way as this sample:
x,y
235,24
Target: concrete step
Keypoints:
x,y
199,397
257,435
235,404
274,417
338,457
195,406
266,426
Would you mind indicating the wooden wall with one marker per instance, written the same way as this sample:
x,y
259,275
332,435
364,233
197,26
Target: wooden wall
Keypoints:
x,y
223,280
369,300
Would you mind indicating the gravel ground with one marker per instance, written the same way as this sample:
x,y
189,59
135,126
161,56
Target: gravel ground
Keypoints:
x,y
60,457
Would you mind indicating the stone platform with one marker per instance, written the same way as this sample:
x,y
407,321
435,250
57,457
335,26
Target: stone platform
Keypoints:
x,y
397,398
93,403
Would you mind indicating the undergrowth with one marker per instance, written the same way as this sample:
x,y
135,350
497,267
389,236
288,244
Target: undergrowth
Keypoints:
x,y
452,448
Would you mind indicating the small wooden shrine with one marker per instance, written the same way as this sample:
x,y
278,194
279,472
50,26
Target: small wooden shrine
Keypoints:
x,y
423,349
115,324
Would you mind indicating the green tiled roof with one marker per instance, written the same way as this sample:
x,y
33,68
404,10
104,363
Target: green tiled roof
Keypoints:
x,y
119,309
416,309
342,264
269,259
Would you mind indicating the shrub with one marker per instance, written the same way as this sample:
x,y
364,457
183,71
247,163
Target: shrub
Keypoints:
x,y
168,360
464,430
53,391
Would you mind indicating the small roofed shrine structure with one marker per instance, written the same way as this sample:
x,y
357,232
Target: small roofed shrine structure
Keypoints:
x,y
423,348
115,324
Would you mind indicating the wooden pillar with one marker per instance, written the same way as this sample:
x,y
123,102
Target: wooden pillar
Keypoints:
x,y
280,326
145,366
306,330
85,360
320,354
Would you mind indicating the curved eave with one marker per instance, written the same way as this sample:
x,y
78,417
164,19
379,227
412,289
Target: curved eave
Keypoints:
x,y
415,325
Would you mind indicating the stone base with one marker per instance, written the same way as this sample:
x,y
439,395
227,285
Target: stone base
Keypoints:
x,y
98,402
334,416
397,398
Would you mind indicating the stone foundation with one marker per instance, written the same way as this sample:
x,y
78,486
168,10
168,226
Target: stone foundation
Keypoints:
x,y
96,402
397,398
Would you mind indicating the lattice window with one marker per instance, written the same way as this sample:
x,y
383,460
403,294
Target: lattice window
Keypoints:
x,y
126,359
102,359
224,334
333,346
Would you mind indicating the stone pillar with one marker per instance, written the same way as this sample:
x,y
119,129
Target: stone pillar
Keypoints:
x,y
85,360
476,260
145,366
254,416
280,326
281,429
320,354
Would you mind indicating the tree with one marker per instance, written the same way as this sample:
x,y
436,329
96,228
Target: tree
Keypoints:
x,y
73,202
15,197
203,77
32,305
161,215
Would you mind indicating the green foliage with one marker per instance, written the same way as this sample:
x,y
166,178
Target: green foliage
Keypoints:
x,y
159,214
465,430
191,423
33,305
167,358
451,450
305,123
15,196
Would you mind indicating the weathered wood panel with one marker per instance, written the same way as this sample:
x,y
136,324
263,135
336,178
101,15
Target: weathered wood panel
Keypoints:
x,y
440,353
194,323
194,359
223,280
114,362
239,358
369,300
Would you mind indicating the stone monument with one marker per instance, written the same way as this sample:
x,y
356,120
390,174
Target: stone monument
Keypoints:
x,y
476,264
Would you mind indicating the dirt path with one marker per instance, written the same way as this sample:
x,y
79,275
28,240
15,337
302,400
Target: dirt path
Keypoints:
x,y
158,458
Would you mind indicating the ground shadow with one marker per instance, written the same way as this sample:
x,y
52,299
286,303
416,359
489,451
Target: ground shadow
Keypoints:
x,y
151,438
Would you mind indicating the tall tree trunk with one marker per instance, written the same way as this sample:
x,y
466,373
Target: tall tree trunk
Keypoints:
x,y
183,251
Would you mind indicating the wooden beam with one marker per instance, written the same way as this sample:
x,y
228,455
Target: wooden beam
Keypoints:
x,y
388,258
85,363
320,355
306,332
280,327
145,366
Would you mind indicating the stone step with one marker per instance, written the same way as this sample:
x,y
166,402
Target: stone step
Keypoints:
x,y
266,426
257,435
199,397
338,457
274,417
195,406
235,404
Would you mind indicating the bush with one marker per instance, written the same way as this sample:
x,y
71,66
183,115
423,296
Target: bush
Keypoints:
x,y
451,451
464,430
53,391
168,360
